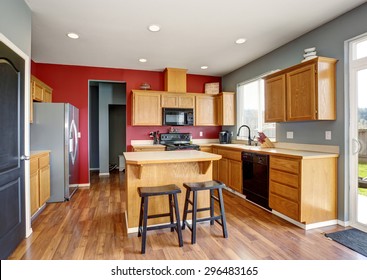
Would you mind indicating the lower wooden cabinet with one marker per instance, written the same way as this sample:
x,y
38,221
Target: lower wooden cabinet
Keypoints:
x,y
304,189
40,180
229,168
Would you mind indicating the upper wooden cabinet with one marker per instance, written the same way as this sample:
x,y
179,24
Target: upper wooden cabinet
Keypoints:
x,y
147,108
175,80
178,101
40,92
226,108
206,110
303,92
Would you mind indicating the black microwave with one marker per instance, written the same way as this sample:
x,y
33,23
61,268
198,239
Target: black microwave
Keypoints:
x,y
176,116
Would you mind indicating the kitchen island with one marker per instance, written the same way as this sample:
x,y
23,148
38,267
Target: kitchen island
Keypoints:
x,y
149,169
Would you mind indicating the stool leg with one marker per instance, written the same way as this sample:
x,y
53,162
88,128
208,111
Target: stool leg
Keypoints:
x,y
140,216
211,207
222,213
194,212
178,221
170,198
185,209
145,224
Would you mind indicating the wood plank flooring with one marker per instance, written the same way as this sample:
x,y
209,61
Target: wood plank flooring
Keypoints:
x,y
92,227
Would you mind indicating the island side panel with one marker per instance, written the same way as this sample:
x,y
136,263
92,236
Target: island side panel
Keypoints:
x,y
158,175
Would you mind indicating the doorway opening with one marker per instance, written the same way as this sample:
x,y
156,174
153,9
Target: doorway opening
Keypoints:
x,y
107,125
358,131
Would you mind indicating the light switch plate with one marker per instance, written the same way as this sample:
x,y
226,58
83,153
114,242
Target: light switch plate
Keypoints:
x,y
327,135
201,133
289,134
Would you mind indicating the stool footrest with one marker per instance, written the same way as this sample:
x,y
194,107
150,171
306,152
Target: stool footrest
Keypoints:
x,y
199,210
161,226
158,215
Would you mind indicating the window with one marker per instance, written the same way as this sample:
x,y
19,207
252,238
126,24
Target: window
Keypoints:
x,y
250,109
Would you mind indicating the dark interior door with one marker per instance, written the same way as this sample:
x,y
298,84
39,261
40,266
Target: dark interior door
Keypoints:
x,y
12,202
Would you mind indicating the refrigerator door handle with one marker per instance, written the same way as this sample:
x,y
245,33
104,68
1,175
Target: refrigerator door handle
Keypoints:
x,y
73,141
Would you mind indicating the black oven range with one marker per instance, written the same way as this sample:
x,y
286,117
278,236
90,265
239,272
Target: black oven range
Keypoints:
x,y
177,141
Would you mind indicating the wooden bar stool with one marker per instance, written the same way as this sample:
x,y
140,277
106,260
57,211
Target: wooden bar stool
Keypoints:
x,y
145,193
204,186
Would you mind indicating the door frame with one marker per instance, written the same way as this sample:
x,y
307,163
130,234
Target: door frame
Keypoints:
x,y
354,145
27,79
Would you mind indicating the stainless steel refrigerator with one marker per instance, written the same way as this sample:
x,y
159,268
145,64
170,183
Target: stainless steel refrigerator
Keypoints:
x,y
55,127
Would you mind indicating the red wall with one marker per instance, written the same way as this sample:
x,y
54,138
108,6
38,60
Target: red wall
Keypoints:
x,y
71,84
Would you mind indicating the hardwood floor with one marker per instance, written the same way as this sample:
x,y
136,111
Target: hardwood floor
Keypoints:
x,y
92,226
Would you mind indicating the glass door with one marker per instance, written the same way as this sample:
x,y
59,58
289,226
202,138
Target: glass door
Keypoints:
x,y
358,131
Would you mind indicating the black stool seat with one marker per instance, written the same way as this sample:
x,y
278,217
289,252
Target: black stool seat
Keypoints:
x,y
210,186
160,190
145,193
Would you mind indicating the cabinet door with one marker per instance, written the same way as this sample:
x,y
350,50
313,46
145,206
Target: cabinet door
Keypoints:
x,y
223,171
169,101
301,94
47,95
206,111
175,80
226,109
186,101
37,93
275,93
235,175
44,185
146,109
215,165
34,191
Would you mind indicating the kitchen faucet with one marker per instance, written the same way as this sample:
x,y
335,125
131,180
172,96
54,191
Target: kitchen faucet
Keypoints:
x,y
249,133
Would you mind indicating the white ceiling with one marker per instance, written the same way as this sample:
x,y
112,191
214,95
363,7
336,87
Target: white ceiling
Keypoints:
x,y
113,33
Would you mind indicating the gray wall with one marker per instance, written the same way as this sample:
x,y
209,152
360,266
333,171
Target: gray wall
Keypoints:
x,y
117,128
108,93
94,127
15,23
329,41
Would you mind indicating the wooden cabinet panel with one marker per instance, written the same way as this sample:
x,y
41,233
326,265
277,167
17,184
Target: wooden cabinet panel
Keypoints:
x,y
177,101
226,108
175,80
285,164
147,108
207,149
40,92
275,102
205,110
235,175
185,101
44,185
301,94
40,190
305,90
149,149
284,206
223,171
304,189
230,154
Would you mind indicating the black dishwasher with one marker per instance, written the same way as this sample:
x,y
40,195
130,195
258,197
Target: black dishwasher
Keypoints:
x,y
255,172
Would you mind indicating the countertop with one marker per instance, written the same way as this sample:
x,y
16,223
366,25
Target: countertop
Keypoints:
x,y
35,153
169,156
277,151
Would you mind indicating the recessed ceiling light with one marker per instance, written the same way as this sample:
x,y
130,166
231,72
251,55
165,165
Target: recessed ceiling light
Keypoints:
x,y
240,41
154,27
204,67
143,60
73,35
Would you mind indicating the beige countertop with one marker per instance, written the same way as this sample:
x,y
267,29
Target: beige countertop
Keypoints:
x,y
35,153
169,156
148,146
277,151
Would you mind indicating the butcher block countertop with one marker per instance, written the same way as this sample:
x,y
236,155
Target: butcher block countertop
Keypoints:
x,y
277,151
141,158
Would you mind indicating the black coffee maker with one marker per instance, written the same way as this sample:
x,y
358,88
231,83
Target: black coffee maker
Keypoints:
x,y
225,137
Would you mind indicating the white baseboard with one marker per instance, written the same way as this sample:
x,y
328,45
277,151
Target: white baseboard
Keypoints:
x,y
104,174
84,185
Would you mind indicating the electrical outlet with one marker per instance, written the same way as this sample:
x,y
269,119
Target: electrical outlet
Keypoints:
x,y
289,134
201,133
327,135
